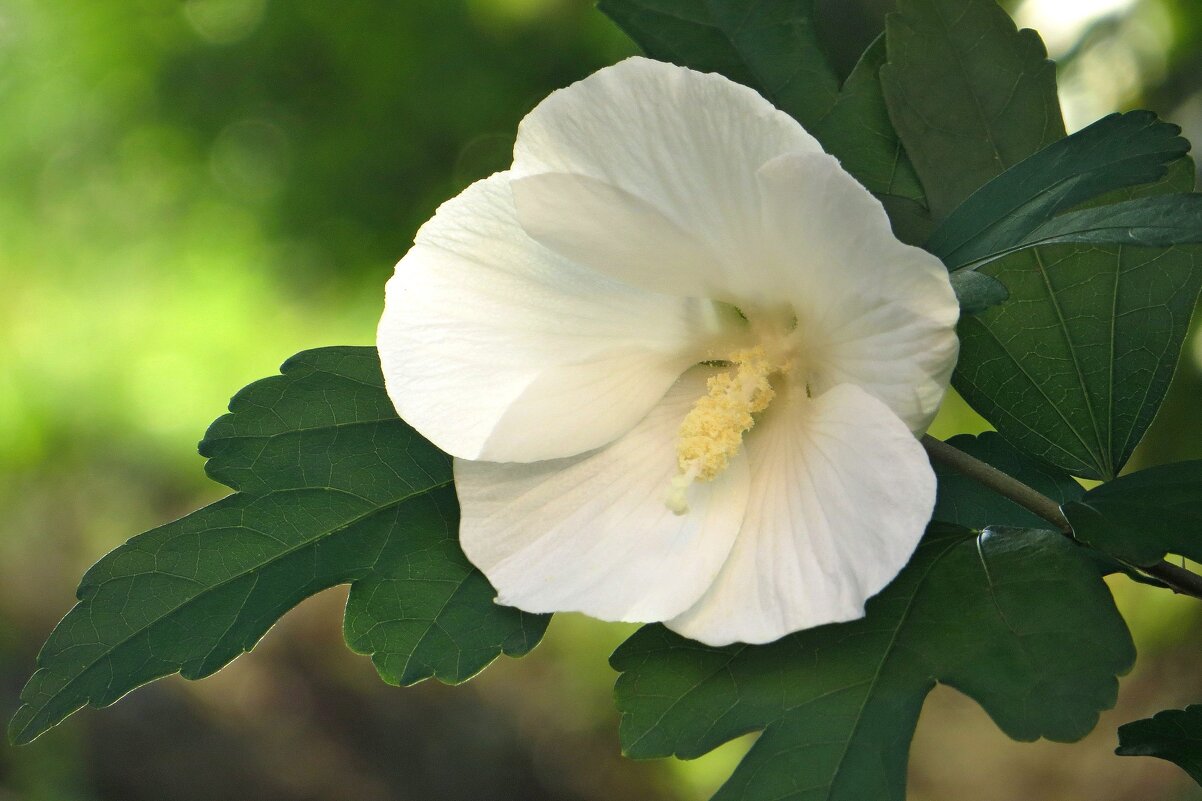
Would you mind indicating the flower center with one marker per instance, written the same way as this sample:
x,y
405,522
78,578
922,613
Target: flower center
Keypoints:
x,y
712,432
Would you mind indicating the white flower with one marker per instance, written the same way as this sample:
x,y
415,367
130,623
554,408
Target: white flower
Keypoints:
x,y
681,361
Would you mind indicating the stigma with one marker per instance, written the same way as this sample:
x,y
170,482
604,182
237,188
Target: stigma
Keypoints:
x,y
712,432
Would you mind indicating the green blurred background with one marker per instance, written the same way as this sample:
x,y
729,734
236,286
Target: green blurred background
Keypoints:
x,y
194,190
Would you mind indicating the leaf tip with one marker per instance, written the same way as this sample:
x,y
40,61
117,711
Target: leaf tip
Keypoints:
x,y
24,727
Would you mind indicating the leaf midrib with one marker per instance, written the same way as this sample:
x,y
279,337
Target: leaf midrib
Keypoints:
x,y
208,440
976,100
226,582
903,619
680,700
1039,388
1101,463
426,634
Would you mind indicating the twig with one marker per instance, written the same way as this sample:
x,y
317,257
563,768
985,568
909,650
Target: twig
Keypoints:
x,y
1178,579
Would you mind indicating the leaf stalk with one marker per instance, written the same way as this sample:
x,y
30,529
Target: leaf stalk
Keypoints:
x,y
1178,579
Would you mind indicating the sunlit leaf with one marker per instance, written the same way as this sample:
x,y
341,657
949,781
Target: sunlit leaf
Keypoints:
x,y
332,488
1017,619
1175,735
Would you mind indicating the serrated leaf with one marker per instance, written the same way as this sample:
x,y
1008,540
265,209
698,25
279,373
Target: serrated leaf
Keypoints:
x,y
969,94
967,502
976,292
858,132
771,47
1017,619
1142,516
1116,152
1174,735
332,488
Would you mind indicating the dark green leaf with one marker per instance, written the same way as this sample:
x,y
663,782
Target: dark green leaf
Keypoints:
x,y
1116,152
1142,516
910,219
1074,366
771,47
977,292
1160,220
332,488
1175,735
1017,619
969,95
967,502
858,132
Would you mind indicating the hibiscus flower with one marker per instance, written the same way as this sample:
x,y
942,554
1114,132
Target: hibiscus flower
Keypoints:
x,y
681,362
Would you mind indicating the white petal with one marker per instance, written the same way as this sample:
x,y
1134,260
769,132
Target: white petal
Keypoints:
x,y
495,348
617,233
686,144
871,310
841,492
593,533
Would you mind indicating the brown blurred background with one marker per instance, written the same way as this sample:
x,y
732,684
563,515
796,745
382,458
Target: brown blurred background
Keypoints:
x,y
194,190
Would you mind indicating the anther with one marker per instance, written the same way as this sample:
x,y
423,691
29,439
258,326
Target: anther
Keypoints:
x,y
712,432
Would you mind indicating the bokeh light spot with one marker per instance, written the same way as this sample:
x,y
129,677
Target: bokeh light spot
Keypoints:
x,y
250,159
224,21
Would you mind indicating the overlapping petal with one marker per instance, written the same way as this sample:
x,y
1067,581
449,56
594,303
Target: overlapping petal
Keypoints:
x,y
592,533
493,347
683,143
617,233
538,328
871,310
841,492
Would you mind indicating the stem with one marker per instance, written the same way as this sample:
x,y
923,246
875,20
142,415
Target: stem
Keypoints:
x,y
1178,579
1002,483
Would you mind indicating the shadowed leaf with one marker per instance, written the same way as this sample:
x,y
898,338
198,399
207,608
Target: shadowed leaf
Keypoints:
x,y
858,132
1116,152
1142,516
1017,619
1073,367
1175,735
976,292
969,503
771,47
969,95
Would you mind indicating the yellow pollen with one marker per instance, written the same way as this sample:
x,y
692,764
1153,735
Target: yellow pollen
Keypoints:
x,y
712,432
